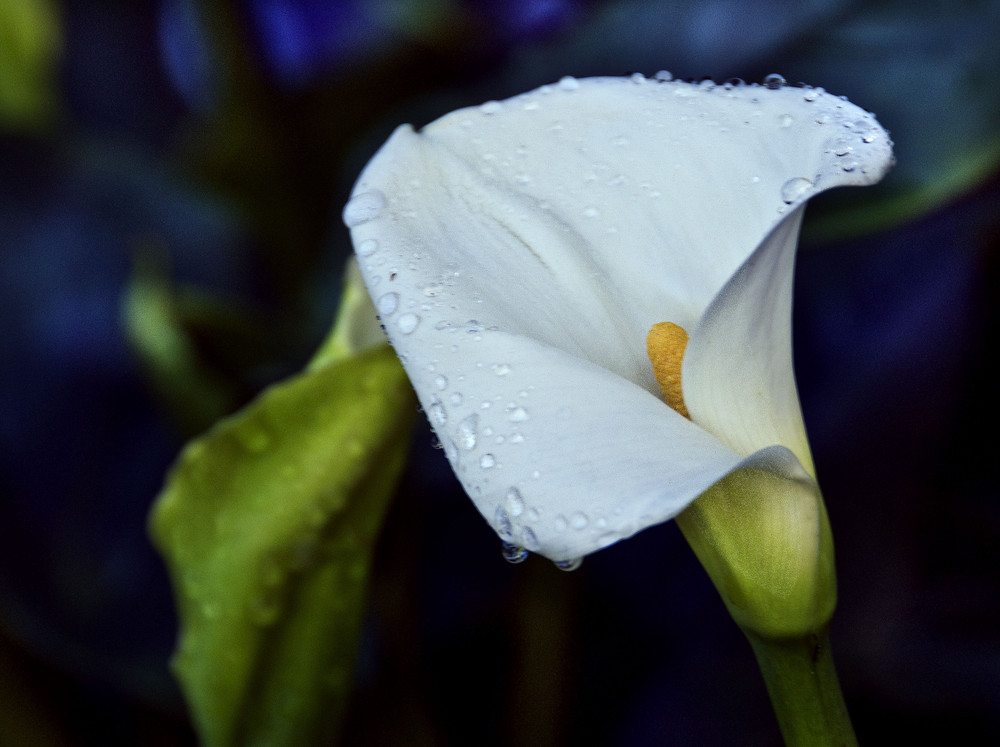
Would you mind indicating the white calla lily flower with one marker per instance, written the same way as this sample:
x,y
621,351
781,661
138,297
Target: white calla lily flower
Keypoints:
x,y
519,254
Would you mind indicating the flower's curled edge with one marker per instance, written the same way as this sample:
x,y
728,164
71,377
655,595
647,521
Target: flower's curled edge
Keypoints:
x,y
519,252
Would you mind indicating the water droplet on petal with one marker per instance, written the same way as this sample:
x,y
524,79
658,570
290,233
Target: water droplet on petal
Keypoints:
x,y
367,247
607,539
387,304
440,382
487,461
568,83
569,565
490,107
456,398
437,414
407,323
363,207
793,189
501,369
517,414
664,76
514,502
579,520
467,432
774,81
530,540
561,524
811,94
513,553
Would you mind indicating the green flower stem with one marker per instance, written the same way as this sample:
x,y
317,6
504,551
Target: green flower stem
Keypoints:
x,y
764,538
804,690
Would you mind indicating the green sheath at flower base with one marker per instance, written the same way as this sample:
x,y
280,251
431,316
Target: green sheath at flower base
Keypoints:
x,y
267,524
765,541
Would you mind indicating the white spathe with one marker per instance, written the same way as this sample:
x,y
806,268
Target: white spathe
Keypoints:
x,y
519,252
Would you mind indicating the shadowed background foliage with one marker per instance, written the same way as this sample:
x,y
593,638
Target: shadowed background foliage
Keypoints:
x,y
203,150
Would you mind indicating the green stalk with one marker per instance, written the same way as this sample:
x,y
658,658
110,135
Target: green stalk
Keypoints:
x,y
804,690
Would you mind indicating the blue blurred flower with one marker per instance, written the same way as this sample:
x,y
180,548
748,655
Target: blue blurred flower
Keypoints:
x,y
186,52
301,39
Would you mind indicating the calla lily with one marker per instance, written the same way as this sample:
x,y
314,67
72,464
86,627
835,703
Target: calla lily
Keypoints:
x,y
520,253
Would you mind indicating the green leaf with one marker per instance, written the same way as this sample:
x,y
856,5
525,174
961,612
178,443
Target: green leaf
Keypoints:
x,y
156,319
267,524
30,48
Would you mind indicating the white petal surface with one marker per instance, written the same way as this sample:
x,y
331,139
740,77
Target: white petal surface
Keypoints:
x,y
519,252
739,383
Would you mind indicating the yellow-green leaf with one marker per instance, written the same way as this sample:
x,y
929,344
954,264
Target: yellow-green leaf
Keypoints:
x,y
30,47
267,524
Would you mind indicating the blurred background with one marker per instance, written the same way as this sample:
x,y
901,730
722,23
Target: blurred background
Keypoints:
x,y
171,180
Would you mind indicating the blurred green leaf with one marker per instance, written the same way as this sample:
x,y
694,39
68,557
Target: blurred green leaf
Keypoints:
x,y
30,47
157,318
267,523
928,71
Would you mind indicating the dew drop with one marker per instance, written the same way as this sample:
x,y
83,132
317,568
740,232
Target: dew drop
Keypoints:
x,y
841,148
793,189
514,502
487,461
513,553
363,207
467,432
367,247
607,539
568,83
561,524
500,369
638,78
437,414
785,120
579,520
569,565
774,81
440,382
811,94
456,398
490,107
517,414
502,525
387,304
530,540
664,76
407,323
